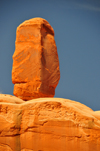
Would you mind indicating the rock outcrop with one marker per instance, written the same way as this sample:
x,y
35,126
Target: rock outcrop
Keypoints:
x,y
48,124
35,71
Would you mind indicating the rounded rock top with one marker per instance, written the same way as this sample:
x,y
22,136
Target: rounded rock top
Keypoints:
x,y
37,20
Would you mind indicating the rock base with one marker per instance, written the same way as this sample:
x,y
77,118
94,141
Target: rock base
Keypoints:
x,y
47,124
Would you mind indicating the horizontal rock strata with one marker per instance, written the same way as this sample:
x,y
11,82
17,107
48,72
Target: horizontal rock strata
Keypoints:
x,y
48,124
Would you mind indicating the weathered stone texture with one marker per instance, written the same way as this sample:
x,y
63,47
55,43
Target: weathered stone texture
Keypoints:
x,y
35,71
48,124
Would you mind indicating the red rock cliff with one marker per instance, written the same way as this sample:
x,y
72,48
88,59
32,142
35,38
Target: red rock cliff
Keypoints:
x,y
47,124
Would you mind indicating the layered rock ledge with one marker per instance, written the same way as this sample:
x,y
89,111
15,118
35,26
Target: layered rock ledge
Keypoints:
x,y
47,124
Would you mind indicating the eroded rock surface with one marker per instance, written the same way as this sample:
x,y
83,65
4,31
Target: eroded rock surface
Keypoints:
x,y
48,124
35,71
6,98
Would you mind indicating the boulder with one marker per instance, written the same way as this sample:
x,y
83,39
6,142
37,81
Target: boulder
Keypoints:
x,y
48,124
35,71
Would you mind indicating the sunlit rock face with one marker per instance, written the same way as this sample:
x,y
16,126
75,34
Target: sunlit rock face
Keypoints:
x,y
47,124
35,71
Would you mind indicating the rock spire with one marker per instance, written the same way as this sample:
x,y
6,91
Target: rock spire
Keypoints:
x,y
35,71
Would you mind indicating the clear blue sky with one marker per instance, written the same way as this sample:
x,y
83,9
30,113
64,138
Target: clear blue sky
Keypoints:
x,y
77,34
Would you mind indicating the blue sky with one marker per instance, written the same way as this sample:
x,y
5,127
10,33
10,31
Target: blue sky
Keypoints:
x,y
77,34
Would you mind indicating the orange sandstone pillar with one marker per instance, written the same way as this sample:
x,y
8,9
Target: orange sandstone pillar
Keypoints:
x,y
35,71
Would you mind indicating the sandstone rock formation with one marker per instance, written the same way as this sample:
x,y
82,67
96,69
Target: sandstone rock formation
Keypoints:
x,y
48,124
35,70
6,98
